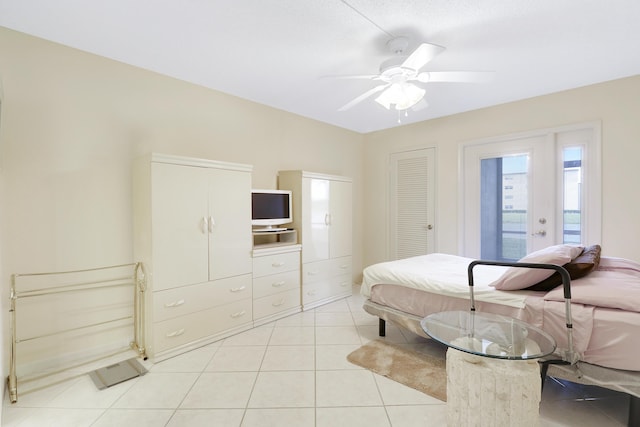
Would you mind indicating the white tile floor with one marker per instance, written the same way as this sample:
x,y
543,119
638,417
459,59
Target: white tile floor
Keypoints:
x,y
292,372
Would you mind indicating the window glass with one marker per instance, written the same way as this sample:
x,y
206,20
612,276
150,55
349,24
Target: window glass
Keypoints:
x,y
504,213
572,195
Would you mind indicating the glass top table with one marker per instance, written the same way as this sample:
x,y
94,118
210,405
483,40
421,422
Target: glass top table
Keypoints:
x,y
488,335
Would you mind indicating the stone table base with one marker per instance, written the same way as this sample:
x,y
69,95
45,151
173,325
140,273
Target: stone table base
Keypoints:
x,y
483,391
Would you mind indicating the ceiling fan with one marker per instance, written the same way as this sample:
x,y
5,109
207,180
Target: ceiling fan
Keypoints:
x,y
401,77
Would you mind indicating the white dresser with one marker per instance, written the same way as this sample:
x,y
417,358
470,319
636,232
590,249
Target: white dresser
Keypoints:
x,y
192,230
322,215
276,282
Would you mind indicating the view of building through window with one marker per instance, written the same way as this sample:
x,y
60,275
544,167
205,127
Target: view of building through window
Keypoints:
x,y
505,200
572,197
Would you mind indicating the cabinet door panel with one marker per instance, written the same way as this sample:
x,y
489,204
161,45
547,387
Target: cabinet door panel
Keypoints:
x,y
340,219
179,197
230,212
315,221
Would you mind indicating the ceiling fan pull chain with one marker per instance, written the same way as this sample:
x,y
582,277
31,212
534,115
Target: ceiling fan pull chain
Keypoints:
x,y
367,18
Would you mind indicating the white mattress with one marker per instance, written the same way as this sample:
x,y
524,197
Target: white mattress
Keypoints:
x,y
442,274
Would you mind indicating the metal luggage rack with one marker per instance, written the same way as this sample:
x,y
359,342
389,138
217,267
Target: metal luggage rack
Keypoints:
x,y
54,289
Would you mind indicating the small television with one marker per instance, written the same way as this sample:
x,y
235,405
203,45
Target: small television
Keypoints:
x,y
270,209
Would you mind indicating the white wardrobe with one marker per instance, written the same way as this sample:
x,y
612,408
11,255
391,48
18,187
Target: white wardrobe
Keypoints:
x,y
322,214
192,231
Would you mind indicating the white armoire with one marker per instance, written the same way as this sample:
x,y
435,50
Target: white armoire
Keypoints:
x,y
192,231
322,206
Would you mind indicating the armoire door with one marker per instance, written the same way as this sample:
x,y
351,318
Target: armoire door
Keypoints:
x,y
340,217
316,219
412,203
179,226
229,222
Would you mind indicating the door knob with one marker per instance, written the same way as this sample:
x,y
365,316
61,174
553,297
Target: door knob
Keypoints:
x,y
540,233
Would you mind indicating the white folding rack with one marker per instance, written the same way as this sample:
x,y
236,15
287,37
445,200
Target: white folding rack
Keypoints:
x,y
52,291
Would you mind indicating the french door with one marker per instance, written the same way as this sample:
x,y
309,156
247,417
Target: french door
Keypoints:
x,y
525,192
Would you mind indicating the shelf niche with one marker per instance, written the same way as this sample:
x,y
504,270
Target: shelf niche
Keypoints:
x,y
267,239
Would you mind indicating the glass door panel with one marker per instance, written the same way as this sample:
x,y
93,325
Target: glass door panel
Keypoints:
x,y
509,198
504,207
572,195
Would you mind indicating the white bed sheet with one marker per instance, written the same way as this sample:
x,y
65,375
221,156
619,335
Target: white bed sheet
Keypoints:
x,y
442,274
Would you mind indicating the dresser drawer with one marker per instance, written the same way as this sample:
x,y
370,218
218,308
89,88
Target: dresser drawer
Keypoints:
x,y
340,266
184,329
273,304
321,271
276,263
337,286
341,285
269,285
318,271
317,291
189,299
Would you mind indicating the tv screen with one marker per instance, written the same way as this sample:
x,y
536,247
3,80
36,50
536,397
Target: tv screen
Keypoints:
x,y
270,207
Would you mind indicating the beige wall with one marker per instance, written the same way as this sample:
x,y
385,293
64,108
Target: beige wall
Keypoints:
x,y
616,104
72,122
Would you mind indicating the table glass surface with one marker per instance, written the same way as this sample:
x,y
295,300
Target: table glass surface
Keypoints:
x,y
489,335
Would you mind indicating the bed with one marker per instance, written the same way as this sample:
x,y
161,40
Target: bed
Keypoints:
x,y
604,306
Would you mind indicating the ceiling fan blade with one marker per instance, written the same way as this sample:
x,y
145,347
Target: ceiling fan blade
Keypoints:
x,y
355,76
362,97
455,76
423,54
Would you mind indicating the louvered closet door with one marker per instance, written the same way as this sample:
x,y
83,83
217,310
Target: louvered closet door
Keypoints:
x,y
412,210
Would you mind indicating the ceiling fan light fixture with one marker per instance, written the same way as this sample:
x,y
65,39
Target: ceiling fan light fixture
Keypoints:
x,y
401,95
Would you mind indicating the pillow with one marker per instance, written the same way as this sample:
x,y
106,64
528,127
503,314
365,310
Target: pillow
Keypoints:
x,y
516,278
579,267
585,263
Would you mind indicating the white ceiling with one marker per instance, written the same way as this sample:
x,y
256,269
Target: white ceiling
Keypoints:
x,y
275,52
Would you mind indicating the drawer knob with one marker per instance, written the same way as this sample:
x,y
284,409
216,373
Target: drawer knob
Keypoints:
x,y
278,284
238,314
240,289
279,303
175,333
278,264
344,284
344,267
313,273
174,304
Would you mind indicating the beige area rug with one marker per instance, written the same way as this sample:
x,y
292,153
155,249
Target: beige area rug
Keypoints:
x,y
422,372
